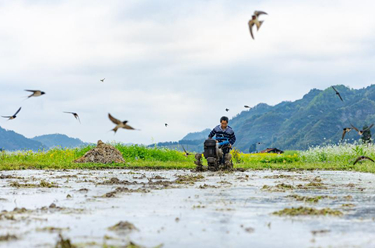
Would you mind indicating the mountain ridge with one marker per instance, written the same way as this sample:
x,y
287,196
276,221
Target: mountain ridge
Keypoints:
x,y
12,141
59,140
316,119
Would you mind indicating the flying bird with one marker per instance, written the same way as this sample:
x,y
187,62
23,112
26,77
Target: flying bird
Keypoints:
x,y
247,106
360,132
35,93
13,116
102,79
361,158
337,93
226,109
186,153
345,131
166,124
75,115
119,124
254,21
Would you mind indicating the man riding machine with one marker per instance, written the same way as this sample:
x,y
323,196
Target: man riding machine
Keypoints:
x,y
217,148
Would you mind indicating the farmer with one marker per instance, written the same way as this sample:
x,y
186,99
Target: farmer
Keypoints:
x,y
225,137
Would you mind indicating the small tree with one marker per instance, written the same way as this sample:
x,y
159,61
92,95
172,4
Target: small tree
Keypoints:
x,y
366,136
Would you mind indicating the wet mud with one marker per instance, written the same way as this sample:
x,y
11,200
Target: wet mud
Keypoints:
x,y
143,208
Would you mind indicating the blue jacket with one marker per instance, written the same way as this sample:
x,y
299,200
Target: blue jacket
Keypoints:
x,y
222,135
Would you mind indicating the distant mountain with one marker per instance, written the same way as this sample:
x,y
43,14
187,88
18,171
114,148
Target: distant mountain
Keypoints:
x,y
316,119
12,141
198,135
59,140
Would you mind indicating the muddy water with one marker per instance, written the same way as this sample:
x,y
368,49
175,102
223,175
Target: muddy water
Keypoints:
x,y
218,210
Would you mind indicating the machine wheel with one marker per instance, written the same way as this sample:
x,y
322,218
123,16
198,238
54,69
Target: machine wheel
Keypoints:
x,y
228,161
212,164
198,162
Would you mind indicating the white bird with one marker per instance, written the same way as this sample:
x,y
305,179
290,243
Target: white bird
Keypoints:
x,y
255,21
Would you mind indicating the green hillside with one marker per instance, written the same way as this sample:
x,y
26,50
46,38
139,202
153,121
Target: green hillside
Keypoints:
x,y
316,119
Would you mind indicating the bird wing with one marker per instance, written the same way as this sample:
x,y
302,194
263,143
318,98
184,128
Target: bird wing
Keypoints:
x,y
354,128
68,112
6,116
128,127
32,91
340,96
357,160
335,89
364,157
251,24
343,135
18,111
258,13
369,127
77,117
113,119
184,149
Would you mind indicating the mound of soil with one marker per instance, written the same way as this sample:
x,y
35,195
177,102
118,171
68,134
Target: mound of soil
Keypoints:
x,y
103,154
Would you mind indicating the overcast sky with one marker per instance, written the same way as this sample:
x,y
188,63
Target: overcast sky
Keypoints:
x,y
168,61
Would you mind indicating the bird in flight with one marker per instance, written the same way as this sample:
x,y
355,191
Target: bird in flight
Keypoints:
x,y
227,109
345,131
246,106
166,124
13,116
186,153
360,132
102,79
75,115
337,93
361,158
254,21
35,93
119,124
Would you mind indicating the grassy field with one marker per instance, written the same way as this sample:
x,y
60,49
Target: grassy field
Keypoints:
x,y
335,157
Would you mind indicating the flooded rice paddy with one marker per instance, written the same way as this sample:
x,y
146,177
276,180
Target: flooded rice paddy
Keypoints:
x,y
186,209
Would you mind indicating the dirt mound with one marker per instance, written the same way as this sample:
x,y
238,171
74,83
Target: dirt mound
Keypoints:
x,y
102,153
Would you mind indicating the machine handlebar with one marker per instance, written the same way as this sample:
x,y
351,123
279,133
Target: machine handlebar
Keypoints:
x,y
222,141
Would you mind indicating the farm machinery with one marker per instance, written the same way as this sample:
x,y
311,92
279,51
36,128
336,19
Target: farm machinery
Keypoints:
x,y
217,154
